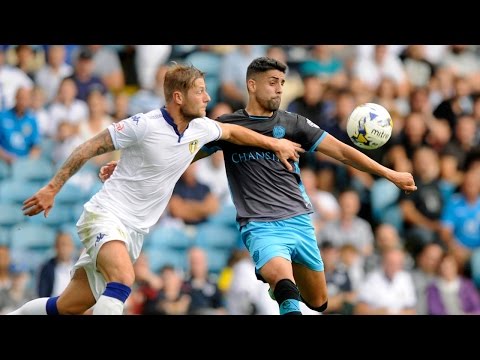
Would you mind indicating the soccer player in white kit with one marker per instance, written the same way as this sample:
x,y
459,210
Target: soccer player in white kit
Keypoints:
x,y
157,147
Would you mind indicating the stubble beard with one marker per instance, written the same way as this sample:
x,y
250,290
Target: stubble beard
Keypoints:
x,y
189,116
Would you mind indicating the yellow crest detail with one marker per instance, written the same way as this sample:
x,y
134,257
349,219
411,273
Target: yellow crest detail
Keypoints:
x,y
193,146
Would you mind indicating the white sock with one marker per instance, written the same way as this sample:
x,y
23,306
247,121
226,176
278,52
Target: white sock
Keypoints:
x,y
34,307
107,305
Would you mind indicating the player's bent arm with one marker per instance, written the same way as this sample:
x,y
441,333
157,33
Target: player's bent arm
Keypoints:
x,y
283,148
98,145
351,156
43,199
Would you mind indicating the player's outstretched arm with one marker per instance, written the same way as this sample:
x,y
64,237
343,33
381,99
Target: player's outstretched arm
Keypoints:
x,y
283,148
44,198
351,156
107,170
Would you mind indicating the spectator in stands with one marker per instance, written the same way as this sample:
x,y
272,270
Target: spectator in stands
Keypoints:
x,y
5,276
421,212
106,66
172,298
84,77
66,108
246,295
51,74
11,79
55,273
389,290
425,271
146,287
460,224
451,293
192,201
146,99
120,107
349,228
19,135
341,295
18,292
206,297
232,74
325,204
39,110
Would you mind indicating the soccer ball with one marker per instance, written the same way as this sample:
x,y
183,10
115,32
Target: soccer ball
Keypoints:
x,y
369,126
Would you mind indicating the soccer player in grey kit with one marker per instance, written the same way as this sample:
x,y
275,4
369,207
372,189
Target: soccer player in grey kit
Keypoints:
x,y
272,205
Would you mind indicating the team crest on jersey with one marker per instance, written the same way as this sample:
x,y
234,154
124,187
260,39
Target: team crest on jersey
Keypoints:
x,y
119,126
312,124
193,146
278,132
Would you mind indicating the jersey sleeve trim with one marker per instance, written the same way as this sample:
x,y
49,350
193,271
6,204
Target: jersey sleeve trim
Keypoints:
x,y
219,131
113,136
210,150
320,139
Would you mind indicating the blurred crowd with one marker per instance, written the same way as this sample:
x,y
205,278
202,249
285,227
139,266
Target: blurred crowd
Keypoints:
x,y
384,252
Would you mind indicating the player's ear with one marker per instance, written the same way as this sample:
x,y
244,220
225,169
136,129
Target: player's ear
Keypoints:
x,y
178,97
251,85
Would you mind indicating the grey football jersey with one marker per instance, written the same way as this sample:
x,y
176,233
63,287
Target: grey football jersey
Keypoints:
x,y
262,188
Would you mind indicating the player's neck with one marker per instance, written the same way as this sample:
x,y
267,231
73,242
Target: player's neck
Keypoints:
x,y
178,119
254,109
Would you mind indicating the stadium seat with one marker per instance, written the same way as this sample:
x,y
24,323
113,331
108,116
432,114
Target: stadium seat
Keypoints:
x,y
227,216
32,236
10,214
57,216
217,259
4,236
31,259
216,236
4,171
33,170
158,258
210,64
163,237
16,191
70,194
71,228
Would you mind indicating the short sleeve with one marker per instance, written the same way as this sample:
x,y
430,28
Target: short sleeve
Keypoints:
x,y
129,131
213,129
309,134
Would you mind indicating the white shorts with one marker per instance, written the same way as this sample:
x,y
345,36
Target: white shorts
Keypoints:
x,y
95,227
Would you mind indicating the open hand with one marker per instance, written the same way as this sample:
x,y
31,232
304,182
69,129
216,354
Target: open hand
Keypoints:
x,y
288,150
107,170
42,201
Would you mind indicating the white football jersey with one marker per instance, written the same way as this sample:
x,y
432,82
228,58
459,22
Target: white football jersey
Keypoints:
x,y
153,157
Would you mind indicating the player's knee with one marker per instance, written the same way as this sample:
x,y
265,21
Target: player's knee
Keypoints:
x,y
123,275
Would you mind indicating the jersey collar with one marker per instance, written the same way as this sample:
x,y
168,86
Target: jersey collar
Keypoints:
x,y
168,118
253,117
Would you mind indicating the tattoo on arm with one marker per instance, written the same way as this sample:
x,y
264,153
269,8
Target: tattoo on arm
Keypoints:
x,y
98,145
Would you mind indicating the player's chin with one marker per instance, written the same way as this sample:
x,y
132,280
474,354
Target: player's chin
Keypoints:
x,y
274,104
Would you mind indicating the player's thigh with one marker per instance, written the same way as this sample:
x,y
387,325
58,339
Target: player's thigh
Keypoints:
x,y
114,262
77,296
312,284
